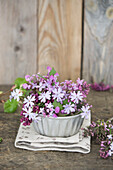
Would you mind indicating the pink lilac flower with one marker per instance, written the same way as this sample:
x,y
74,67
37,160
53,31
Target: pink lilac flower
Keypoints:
x,y
58,94
68,108
29,101
79,82
100,87
27,77
49,69
26,86
54,115
57,109
16,94
44,96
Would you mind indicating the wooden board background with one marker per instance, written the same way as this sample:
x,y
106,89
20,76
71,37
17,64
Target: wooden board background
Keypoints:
x,y
38,33
98,41
60,36
18,39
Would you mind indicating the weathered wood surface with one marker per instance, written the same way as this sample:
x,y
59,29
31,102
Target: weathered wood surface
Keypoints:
x,y
98,41
18,159
59,41
38,33
18,39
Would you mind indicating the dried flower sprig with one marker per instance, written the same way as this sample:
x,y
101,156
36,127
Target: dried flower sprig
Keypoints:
x,y
102,133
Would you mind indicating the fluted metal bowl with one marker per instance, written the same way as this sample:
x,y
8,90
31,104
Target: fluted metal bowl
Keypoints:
x,y
58,127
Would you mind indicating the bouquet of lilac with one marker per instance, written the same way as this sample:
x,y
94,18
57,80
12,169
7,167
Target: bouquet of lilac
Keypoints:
x,y
46,96
102,132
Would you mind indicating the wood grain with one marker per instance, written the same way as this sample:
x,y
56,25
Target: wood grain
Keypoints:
x,y
18,39
98,41
59,41
12,158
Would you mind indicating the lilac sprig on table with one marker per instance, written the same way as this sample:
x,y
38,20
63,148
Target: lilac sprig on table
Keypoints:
x,y
46,96
102,133
100,86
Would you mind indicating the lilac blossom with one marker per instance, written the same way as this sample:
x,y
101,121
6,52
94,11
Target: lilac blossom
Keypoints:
x,y
57,109
58,94
44,96
69,108
100,87
79,82
76,96
28,113
16,94
48,97
29,101
85,111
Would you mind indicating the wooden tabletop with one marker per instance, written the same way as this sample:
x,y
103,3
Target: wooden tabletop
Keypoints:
x,y
19,159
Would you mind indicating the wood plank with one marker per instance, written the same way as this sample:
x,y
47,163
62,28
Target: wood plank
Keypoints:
x,y
18,39
98,41
59,43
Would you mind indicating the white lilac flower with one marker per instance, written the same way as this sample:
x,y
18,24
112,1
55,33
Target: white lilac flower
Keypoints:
x,y
34,85
110,153
109,136
85,111
16,94
49,106
41,110
58,94
69,108
111,146
41,86
29,101
44,96
28,112
76,96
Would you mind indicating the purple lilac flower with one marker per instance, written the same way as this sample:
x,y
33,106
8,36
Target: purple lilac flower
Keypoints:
x,y
100,87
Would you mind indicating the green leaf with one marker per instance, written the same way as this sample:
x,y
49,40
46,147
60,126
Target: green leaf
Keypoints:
x,y
10,106
1,140
62,115
39,92
52,72
25,92
1,92
19,81
65,102
42,77
55,104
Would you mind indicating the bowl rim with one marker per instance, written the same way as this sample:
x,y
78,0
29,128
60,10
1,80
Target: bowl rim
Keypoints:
x,y
68,117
